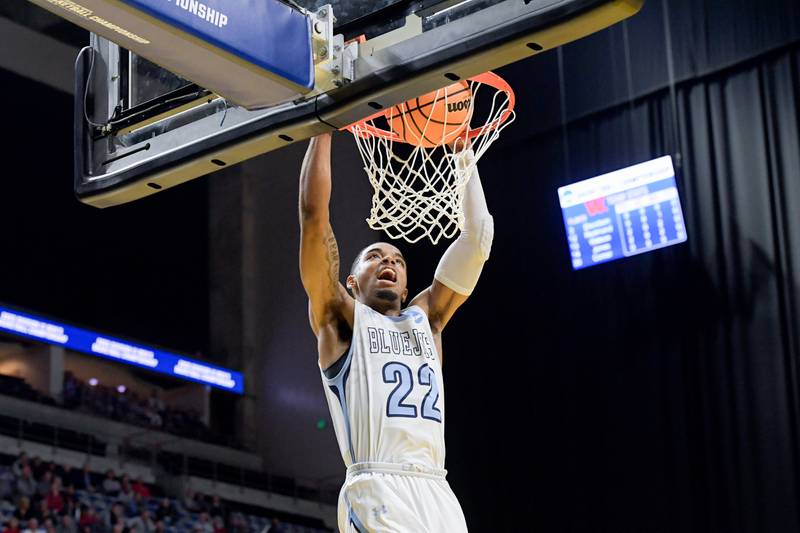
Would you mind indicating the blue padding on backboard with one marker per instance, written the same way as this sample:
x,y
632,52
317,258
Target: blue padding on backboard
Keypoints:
x,y
267,33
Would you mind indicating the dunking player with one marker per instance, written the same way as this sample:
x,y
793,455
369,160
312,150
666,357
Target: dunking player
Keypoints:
x,y
382,364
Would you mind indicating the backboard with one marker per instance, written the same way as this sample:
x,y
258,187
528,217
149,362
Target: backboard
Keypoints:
x,y
140,129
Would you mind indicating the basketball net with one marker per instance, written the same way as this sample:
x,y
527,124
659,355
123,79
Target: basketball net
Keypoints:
x,y
418,191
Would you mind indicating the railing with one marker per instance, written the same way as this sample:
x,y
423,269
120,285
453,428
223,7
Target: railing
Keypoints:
x,y
323,491
115,433
51,435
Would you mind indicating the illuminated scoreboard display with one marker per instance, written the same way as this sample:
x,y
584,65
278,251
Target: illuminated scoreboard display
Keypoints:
x,y
93,343
626,212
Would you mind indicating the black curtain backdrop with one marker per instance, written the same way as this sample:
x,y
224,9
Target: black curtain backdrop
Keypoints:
x,y
629,60
657,393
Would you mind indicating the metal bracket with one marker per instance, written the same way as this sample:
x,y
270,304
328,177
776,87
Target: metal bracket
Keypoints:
x,y
411,28
349,58
322,33
328,52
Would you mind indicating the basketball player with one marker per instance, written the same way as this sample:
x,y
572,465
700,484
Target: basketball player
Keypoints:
x,y
381,363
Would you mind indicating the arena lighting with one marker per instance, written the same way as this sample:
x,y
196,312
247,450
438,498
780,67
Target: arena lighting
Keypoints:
x,y
623,213
121,389
93,382
28,325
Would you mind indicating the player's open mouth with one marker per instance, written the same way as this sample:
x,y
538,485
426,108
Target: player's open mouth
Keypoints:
x,y
387,274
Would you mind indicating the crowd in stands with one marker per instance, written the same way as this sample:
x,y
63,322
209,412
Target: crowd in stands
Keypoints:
x,y
127,406
130,408
42,497
119,404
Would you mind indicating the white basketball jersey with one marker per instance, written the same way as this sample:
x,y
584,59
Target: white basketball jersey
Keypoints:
x,y
387,400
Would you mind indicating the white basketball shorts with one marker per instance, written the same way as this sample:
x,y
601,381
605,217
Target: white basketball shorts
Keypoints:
x,y
395,498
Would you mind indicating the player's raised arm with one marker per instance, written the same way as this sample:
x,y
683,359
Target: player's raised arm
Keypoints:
x,y
329,302
461,264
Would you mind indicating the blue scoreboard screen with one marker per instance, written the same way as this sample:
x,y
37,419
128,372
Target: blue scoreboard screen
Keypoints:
x,y
626,212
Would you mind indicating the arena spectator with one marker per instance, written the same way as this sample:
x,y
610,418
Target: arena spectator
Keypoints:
x,y
238,523
38,467
133,505
45,482
88,518
120,405
48,525
7,481
190,501
24,512
19,463
201,502
155,419
71,390
216,508
26,483
126,493
116,515
203,524
165,512
84,481
219,525
276,526
53,498
12,526
111,486
67,525
71,476
42,512
140,488
70,500
32,526
155,402
142,523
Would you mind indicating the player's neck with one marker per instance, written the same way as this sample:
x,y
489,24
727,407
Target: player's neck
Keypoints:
x,y
386,308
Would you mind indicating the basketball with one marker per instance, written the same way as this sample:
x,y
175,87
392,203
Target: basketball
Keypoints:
x,y
433,119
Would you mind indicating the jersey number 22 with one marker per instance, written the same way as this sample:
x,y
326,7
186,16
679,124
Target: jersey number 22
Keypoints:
x,y
399,373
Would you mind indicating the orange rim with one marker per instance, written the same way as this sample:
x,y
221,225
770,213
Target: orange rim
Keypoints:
x,y
364,127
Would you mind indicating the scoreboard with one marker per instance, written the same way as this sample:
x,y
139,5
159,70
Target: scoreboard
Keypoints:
x,y
626,212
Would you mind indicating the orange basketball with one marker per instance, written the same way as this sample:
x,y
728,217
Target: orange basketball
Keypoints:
x,y
434,119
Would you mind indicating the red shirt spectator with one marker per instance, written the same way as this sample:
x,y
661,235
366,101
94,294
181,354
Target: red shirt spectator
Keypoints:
x,y
12,526
219,525
140,488
88,517
54,500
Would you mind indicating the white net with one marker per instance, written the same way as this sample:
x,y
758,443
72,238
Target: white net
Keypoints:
x,y
418,191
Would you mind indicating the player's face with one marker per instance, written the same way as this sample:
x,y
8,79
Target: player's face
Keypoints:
x,y
380,275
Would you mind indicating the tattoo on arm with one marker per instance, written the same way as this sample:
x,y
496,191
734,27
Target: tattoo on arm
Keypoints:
x,y
332,257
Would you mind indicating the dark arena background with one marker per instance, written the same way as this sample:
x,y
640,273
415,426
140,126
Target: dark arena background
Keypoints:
x,y
655,394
